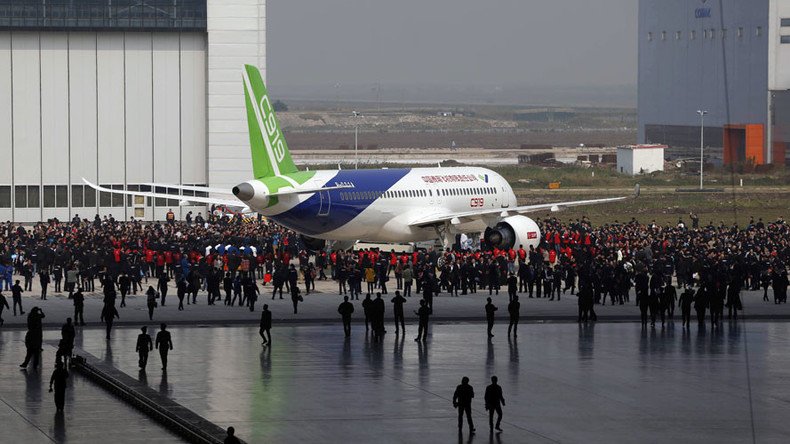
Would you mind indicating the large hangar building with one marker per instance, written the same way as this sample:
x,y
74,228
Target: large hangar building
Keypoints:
x,y
730,58
123,93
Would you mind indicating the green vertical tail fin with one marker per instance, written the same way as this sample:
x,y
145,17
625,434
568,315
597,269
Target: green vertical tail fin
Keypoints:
x,y
270,155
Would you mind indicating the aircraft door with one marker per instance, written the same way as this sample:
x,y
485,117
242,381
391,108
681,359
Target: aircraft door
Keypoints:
x,y
325,203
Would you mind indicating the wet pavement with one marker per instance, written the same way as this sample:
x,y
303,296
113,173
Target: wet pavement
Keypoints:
x,y
27,409
611,382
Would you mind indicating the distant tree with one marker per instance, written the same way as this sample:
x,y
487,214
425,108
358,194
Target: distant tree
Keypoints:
x,y
280,106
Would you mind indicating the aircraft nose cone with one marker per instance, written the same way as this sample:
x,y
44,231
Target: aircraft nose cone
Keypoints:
x,y
244,191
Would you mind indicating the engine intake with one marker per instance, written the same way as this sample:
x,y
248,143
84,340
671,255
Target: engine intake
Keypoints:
x,y
512,232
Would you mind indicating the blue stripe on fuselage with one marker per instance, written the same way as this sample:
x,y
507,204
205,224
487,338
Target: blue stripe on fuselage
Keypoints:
x,y
304,217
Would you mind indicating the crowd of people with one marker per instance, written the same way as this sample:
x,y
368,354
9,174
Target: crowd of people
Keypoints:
x,y
233,261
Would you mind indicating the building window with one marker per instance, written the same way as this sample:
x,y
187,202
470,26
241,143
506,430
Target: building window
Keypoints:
x,y
105,198
117,199
740,31
759,31
693,35
785,22
61,196
33,196
724,33
785,39
678,34
76,196
49,196
649,36
663,35
90,197
5,196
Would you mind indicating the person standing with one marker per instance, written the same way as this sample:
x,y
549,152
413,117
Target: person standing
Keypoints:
x,y
408,279
67,335
513,309
422,314
346,309
3,305
162,286
266,325
378,317
494,402
490,310
462,400
144,345
398,302
44,279
367,309
124,284
685,302
164,343
16,296
79,306
512,286
108,314
181,291
57,272
151,298
59,378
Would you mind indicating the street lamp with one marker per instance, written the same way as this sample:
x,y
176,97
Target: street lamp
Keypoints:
x,y
356,138
701,143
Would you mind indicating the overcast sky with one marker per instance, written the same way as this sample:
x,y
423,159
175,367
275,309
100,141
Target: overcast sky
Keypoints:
x,y
452,42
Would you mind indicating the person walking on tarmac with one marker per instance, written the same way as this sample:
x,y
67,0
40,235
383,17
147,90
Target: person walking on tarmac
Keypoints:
x,y
144,345
423,313
266,325
462,400
346,309
494,402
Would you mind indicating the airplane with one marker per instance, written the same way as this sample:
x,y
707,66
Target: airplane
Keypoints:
x,y
396,205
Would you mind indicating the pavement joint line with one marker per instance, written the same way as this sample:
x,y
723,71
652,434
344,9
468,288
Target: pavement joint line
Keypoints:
x,y
170,414
26,419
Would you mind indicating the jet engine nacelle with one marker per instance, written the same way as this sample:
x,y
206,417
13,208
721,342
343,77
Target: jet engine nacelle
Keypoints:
x,y
253,193
312,244
513,231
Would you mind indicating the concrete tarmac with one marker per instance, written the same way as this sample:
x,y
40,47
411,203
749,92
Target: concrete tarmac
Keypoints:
x,y
91,415
321,307
611,382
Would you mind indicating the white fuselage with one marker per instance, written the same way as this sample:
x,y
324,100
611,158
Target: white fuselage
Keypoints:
x,y
382,205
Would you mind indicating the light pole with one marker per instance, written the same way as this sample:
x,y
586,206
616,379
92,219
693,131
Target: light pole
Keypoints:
x,y
357,115
701,143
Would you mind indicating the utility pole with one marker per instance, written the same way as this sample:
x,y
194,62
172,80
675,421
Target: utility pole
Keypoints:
x,y
357,115
701,143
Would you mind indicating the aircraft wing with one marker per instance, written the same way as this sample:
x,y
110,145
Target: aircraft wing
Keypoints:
x,y
201,200
208,200
468,216
283,192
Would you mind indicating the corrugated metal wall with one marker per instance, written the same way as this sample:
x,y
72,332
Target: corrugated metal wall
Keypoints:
x,y
116,108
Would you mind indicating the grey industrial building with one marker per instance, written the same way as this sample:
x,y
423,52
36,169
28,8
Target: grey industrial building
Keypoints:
x,y
123,93
730,58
